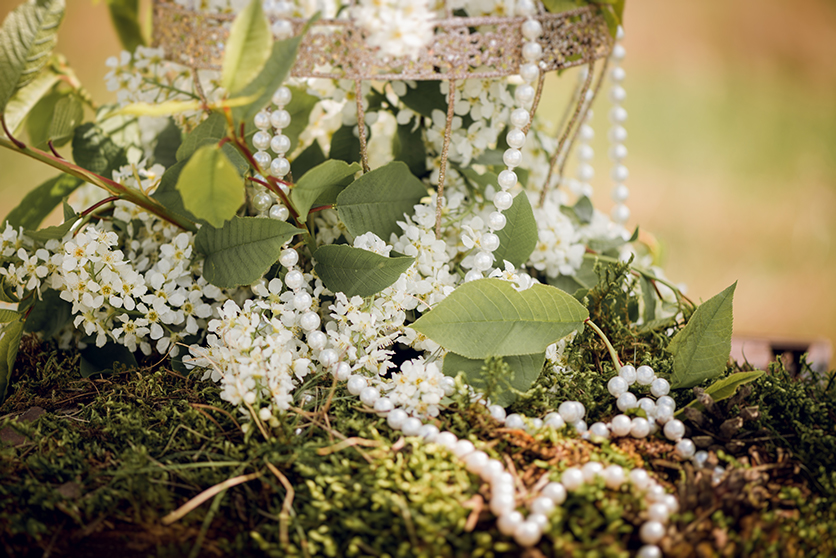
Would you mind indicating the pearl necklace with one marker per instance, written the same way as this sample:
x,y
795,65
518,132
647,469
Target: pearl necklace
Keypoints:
x,y
617,135
269,135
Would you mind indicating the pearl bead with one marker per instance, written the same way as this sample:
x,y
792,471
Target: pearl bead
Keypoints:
x,y
685,448
503,478
674,430
343,372
503,200
599,430
591,470
261,140
262,201
476,461
396,418
520,118
532,51
660,387
628,372
649,551
472,275
309,321
671,503
279,212
288,258
524,93
515,421
535,424
621,425
282,96
554,420
317,340
279,167
428,432
384,405
262,120
652,532
618,53
502,503
617,74
572,478
658,512
617,386
585,152
448,384
647,405
580,426
492,469
614,476
620,193
497,413
463,448
619,173
515,137
556,492
356,384
497,221
700,458
542,505
585,172
640,428
666,400
569,412
587,133
294,279
280,119
512,157
617,94
282,29
482,261
526,8
490,242
411,426
507,523
529,72
531,29
617,134
527,533
302,301
540,520
620,213
640,479
507,179
280,144
618,115
645,375
626,401
617,152
446,439
262,159
369,395
664,413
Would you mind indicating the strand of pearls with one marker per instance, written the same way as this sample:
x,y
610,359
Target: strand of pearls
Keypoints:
x,y
270,125
524,95
617,135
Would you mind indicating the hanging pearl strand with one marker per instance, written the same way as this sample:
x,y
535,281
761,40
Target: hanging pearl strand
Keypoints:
x,y
617,135
520,117
270,125
585,172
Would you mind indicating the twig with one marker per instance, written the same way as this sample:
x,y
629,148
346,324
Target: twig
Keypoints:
x,y
445,148
287,504
361,124
195,502
613,354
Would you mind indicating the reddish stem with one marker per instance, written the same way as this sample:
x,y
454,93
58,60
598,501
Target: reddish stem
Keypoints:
x,y
52,148
14,140
98,204
321,208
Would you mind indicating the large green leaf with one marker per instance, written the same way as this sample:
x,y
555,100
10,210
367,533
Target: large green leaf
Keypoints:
x,y
242,250
345,146
424,98
726,387
210,186
56,232
94,150
275,71
379,199
525,368
66,117
167,194
489,317
26,98
10,335
247,48
355,271
323,182
211,131
518,237
168,142
408,146
125,17
701,349
49,314
28,35
40,202
310,157
7,315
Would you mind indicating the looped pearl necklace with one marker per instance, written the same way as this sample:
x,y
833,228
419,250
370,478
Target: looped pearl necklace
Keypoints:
x,y
269,135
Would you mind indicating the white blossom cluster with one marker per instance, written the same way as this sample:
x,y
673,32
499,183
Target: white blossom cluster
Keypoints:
x,y
397,27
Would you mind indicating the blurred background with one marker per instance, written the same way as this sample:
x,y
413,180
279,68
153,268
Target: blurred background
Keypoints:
x,y
732,147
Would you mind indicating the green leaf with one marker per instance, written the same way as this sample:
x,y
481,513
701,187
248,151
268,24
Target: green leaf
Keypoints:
x,y
125,17
726,387
49,314
247,48
526,370
701,349
210,186
612,21
10,335
585,278
378,199
275,71
518,237
649,298
211,131
7,292
28,35
40,202
101,360
357,272
583,210
7,315
168,142
242,250
424,98
408,146
480,181
56,232
345,146
618,8
26,98
488,317
167,194
95,151
39,120
322,184
67,116
557,6
308,159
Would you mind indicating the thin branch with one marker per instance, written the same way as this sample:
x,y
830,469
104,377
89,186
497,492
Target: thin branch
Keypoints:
x,y
195,502
445,148
361,124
